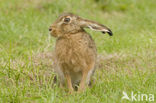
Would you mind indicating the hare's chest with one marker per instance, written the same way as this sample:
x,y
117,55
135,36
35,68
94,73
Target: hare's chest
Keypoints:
x,y
70,47
70,53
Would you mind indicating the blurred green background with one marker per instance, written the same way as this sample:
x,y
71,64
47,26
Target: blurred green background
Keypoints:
x,y
127,61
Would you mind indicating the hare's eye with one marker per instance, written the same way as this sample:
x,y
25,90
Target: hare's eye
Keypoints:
x,y
67,20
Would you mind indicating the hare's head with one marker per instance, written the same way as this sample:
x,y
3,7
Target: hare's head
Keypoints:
x,y
69,23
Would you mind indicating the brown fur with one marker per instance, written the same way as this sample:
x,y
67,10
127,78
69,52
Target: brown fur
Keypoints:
x,y
75,50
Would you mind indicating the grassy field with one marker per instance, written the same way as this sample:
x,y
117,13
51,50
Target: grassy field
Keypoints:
x,y
127,61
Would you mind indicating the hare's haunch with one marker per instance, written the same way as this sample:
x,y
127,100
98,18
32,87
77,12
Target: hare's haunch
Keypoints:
x,y
75,51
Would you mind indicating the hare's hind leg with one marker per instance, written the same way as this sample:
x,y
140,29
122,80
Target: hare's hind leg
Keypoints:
x,y
86,76
59,82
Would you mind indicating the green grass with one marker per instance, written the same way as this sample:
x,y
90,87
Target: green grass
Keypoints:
x,y
127,60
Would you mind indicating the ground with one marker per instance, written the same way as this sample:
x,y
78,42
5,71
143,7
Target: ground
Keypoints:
x,y
126,61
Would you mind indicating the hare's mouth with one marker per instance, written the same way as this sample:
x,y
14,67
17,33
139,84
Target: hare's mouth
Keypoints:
x,y
53,33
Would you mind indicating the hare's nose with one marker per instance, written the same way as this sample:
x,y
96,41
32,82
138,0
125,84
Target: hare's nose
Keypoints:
x,y
50,29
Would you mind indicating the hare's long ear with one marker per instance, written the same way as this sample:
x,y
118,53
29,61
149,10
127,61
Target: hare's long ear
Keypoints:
x,y
94,26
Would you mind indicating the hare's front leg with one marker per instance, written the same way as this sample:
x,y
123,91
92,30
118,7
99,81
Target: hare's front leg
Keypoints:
x,y
69,83
85,75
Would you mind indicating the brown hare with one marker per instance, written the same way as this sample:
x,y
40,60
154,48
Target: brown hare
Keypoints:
x,y
75,51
